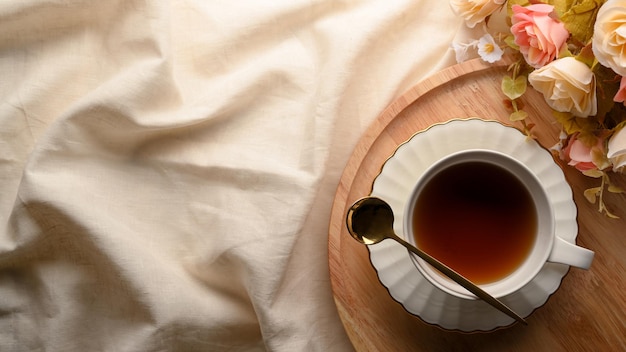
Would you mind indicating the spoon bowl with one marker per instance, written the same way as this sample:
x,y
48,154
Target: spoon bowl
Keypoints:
x,y
369,220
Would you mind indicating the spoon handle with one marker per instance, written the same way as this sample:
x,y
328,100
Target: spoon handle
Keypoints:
x,y
461,280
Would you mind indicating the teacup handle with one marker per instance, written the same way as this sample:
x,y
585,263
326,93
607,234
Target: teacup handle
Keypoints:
x,y
568,253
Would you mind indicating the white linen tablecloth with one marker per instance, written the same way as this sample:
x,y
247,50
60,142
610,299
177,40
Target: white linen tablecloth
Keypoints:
x,y
167,168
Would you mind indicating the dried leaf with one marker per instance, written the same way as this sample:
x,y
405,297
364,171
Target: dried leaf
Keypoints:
x,y
598,157
603,209
607,85
591,194
595,173
615,189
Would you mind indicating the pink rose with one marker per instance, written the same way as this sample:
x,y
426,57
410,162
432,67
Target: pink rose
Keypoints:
x,y
620,97
539,36
582,156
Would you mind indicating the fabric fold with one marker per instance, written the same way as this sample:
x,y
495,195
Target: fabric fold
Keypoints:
x,y
167,168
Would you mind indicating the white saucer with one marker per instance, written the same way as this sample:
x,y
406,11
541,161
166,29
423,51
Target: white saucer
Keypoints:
x,y
396,270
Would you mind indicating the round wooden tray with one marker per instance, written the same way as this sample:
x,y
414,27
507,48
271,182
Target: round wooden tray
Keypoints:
x,y
372,319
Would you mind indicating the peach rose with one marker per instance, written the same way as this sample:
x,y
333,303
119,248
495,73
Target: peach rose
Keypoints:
x,y
567,85
539,36
609,36
582,156
475,11
617,150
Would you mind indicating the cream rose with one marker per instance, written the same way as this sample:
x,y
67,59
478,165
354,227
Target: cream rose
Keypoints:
x,y
617,150
609,36
568,85
475,11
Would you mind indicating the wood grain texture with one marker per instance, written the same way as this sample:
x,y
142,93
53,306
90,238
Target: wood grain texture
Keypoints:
x,y
587,313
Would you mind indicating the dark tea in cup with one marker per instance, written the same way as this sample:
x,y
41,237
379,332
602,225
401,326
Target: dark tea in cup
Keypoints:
x,y
477,218
488,216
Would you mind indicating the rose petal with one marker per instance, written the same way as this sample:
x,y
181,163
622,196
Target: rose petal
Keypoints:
x,y
580,152
617,144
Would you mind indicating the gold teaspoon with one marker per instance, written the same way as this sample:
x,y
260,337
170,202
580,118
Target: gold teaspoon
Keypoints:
x,y
370,220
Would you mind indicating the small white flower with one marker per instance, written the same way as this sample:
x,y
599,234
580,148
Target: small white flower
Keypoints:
x,y
558,147
488,49
460,49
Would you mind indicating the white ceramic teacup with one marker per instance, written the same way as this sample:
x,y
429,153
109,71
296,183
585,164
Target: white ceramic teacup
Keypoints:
x,y
547,247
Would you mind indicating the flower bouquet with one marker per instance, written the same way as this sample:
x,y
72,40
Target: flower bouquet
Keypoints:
x,y
574,53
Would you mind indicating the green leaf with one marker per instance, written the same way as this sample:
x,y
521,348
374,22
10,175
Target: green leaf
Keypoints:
x,y
510,41
510,4
518,115
580,19
561,6
615,189
514,88
586,56
572,124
